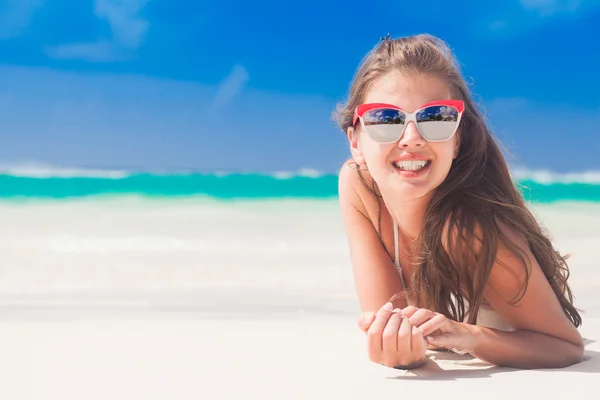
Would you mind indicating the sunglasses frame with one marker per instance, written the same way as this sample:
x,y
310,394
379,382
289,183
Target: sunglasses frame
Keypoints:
x,y
361,109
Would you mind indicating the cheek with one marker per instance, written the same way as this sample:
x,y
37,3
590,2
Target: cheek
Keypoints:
x,y
372,152
444,154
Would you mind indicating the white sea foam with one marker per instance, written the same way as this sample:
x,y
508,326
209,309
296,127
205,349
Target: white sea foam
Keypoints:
x,y
302,172
549,177
41,170
283,174
44,170
311,173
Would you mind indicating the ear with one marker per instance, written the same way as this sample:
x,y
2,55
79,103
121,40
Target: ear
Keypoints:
x,y
355,146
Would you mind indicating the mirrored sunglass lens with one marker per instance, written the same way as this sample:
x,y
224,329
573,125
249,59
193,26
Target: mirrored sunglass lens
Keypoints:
x,y
384,125
437,122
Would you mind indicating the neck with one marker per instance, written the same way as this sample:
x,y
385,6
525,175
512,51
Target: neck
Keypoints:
x,y
408,214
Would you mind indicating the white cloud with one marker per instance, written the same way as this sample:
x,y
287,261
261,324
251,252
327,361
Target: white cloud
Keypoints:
x,y
552,7
446,112
127,27
128,30
16,15
100,51
231,86
531,14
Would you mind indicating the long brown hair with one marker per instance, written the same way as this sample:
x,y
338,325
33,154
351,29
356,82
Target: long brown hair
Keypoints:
x,y
459,239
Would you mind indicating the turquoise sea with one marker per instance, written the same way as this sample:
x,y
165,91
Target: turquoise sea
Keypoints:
x,y
68,184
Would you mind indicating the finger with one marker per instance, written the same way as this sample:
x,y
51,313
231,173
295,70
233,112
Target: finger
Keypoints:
x,y
375,332
418,343
435,323
421,316
409,311
446,340
365,320
390,334
404,339
450,340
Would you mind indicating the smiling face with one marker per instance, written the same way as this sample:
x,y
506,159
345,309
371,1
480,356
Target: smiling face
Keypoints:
x,y
398,167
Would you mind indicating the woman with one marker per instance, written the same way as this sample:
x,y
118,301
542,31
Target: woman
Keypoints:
x,y
445,253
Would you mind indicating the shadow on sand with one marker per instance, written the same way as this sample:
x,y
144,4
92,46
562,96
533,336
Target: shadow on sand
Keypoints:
x,y
473,368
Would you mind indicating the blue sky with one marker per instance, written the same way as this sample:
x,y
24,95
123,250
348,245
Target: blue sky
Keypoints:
x,y
157,84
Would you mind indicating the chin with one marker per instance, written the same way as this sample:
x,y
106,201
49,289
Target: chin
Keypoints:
x,y
414,192
413,186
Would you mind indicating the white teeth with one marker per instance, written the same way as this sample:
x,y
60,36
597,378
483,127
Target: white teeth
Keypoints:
x,y
410,165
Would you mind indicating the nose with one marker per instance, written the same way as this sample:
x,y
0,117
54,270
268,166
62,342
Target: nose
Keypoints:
x,y
411,137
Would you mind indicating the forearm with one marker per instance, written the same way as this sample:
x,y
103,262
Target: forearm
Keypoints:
x,y
524,349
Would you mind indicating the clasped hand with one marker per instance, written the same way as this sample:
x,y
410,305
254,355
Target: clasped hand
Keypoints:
x,y
399,338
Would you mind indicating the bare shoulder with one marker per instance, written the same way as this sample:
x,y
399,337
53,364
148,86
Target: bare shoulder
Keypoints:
x,y
518,275
516,286
357,191
376,279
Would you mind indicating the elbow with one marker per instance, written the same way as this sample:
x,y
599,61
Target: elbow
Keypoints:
x,y
574,356
568,350
576,353
560,354
571,354
576,350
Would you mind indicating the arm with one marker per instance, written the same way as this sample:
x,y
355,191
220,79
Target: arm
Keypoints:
x,y
376,279
544,337
525,349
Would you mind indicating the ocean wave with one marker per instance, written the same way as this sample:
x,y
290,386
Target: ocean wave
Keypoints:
x,y
42,170
39,170
548,177
304,173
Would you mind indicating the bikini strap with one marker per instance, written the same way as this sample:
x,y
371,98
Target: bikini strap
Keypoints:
x,y
396,250
397,262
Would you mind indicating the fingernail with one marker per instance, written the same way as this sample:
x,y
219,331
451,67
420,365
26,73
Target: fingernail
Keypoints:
x,y
397,310
388,306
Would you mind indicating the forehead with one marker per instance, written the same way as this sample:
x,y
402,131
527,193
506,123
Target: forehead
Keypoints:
x,y
408,92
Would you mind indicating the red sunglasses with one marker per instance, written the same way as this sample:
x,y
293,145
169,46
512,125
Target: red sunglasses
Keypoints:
x,y
385,123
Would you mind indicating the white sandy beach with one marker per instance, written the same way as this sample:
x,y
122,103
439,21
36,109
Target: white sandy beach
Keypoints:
x,y
161,300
